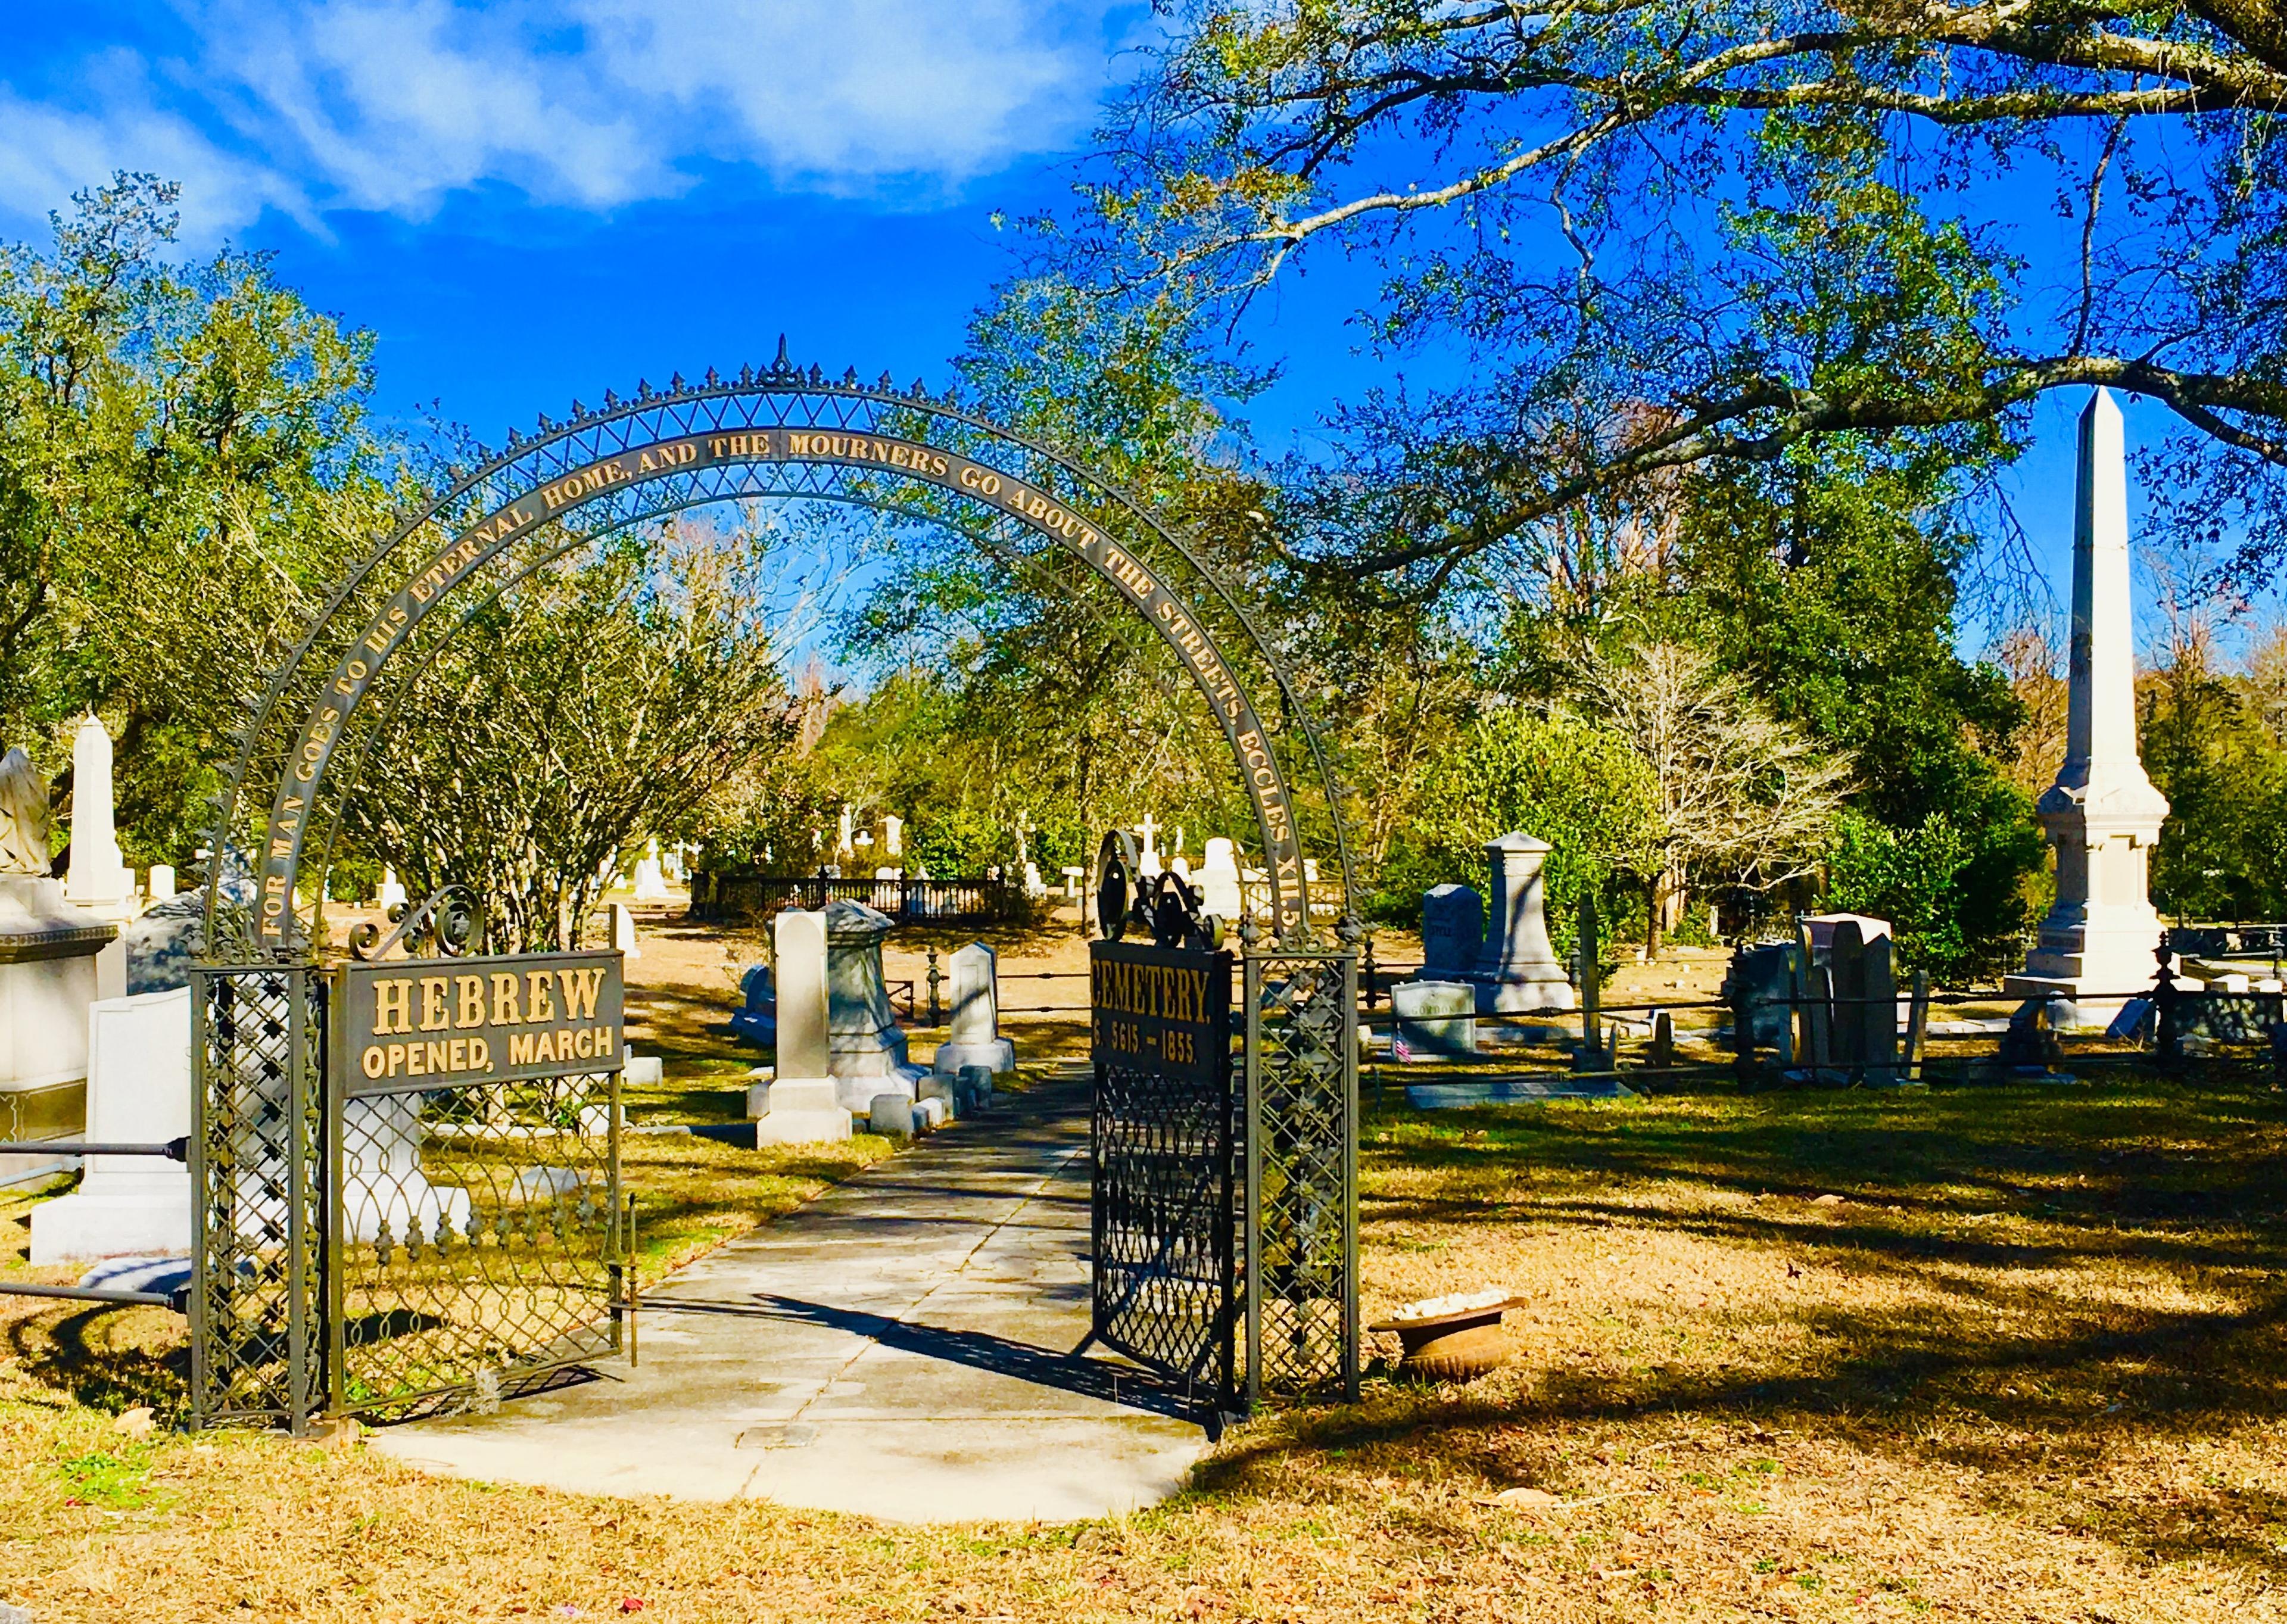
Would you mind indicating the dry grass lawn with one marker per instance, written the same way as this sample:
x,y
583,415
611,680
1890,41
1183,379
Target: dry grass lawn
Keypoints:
x,y
2002,1354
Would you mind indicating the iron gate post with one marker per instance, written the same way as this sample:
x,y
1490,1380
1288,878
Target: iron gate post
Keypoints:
x,y
1301,1125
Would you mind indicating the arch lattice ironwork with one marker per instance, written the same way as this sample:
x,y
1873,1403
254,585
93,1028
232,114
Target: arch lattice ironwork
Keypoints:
x,y
780,431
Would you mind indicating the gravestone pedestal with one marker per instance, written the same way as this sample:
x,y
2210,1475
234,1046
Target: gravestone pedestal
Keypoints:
x,y
1517,969
138,1093
48,952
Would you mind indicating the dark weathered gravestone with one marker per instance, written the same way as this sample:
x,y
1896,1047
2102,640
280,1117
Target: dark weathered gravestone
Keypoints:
x,y
1452,932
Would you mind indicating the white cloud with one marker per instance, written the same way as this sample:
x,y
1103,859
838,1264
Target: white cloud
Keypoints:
x,y
590,104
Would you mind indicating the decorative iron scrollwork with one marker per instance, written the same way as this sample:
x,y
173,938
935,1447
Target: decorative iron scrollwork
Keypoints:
x,y
1116,866
450,923
1163,906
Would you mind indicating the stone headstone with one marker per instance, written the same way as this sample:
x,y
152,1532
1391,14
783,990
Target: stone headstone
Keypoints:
x,y
384,1189
390,893
1452,932
804,1103
1818,1020
974,1085
893,834
868,1051
757,1018
138,1092
1217,881
1763,979
891,1114
975,1036
1436,1017
1516,969
1878,1046
651,879
623,932
1846,963
1821,928
161,885
1663,1041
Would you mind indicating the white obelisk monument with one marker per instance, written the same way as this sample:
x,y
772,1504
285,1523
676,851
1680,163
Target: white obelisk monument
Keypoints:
x,y
2102,814
97,877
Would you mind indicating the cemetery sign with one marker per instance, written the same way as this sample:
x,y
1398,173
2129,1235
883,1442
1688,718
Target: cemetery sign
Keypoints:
x,y
1164,1010
449,1023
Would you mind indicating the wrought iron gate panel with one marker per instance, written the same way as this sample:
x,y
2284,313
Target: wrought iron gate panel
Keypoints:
x,y
1300,1252
258,1179
385,1255
476,1238
1161,1199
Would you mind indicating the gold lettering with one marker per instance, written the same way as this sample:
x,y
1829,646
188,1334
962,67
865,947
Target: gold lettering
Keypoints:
x,y
538,1004
471,989
432,1004
392,1005
581,987
507,995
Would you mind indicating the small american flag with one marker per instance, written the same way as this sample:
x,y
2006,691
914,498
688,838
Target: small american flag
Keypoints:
x,y
1400,1050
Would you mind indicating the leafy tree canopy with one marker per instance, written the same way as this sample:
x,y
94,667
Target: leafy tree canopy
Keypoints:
x,y
1656,234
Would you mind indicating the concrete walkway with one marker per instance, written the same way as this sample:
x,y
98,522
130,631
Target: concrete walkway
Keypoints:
x,y
901,1346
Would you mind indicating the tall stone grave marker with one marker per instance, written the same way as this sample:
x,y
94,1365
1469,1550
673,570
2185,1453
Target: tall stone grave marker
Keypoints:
x,y
867,1050
1516,969
2102,813
976,1037
804,1107
99,879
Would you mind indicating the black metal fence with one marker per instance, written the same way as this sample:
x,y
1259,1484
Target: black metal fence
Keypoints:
x,y
386,1255
730,897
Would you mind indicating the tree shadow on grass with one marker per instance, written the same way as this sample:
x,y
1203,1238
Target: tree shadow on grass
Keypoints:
x,y
2021,1414
88,1353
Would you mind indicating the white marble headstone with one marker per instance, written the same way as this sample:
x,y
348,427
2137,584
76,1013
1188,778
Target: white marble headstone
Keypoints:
x,y
138,1092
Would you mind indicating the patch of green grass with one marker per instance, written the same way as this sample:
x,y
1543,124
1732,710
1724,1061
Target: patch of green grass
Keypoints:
x,y
115,1479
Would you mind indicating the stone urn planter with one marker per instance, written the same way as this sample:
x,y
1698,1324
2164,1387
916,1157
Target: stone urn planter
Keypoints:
x,y
1452,1339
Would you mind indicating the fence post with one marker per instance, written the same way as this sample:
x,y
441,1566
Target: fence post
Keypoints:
x,y
1917,1025
2168,1036
934,976
1367,969
1743,1024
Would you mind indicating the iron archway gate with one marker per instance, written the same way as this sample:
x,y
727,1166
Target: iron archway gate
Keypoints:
x,y
268,1308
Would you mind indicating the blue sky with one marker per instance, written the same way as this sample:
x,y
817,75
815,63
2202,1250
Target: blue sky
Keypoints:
x,y
529,201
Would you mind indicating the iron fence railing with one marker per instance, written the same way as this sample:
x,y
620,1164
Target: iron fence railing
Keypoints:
x,y
729,897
